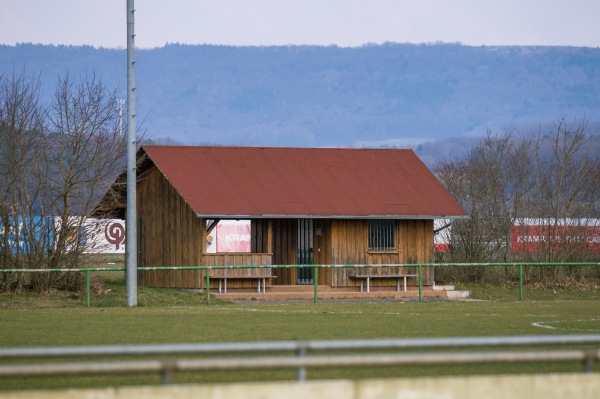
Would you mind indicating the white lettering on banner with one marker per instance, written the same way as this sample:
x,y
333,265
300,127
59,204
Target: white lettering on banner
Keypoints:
x,y
237,237
531,238
592,240
562,236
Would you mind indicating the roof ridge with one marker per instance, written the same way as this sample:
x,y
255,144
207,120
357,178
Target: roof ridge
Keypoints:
x,y
273,147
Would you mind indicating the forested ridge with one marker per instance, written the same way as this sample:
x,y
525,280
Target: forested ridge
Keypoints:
x,y
379,95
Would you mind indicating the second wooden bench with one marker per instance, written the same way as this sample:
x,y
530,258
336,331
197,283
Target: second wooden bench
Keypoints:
x,y
259,280
368,278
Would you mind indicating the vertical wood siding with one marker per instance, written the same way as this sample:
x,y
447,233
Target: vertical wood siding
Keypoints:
x,y
322,249
417,236
172,235
349,243
170,232
284,250
233,259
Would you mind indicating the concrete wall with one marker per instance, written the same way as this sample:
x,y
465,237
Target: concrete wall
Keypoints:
x,y
547,386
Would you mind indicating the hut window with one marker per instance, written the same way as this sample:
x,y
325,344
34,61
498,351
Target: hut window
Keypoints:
x,y
382,235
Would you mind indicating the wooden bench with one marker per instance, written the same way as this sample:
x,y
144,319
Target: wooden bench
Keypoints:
x,y
223,279
368,278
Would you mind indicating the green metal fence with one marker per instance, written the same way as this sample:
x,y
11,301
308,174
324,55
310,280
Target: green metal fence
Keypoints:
x,y
86,270
419,266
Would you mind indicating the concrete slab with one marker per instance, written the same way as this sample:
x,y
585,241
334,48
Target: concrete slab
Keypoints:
x,y
306,292
541,386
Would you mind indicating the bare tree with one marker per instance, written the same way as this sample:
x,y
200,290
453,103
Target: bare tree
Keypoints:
x,y
85,149
55,163
20,138
479,183
507,179
566,194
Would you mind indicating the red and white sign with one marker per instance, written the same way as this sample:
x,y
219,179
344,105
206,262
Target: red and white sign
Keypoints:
x,y
442,247
232,236
105,236
534,235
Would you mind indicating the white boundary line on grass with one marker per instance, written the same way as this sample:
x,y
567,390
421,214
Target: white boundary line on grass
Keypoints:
x,y
550,325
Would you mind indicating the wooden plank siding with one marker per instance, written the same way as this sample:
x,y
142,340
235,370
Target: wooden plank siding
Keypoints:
x,y
172,235
417,239
233,259
322,249
349,242
258,257
284,250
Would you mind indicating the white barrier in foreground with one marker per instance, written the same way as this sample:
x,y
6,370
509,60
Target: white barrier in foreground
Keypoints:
x,y
556,386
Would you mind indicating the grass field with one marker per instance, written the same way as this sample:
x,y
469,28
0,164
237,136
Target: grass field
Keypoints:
x,y
174,316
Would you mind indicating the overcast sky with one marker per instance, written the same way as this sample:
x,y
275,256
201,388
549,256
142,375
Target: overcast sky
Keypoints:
x,y
102,23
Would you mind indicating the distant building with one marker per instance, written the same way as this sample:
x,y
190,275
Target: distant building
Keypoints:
x,y
442,232
539,234
105,236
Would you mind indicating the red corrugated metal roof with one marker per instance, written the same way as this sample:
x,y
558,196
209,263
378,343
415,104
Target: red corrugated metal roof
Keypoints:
x,y
296,182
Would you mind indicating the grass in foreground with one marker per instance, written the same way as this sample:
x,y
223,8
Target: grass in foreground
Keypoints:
x,y
490,292
197,322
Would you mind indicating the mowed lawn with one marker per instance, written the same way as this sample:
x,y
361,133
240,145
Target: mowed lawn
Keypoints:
x,y
220,322
264,322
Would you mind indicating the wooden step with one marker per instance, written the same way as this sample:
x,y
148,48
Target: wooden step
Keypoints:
x,y
308,288
279,293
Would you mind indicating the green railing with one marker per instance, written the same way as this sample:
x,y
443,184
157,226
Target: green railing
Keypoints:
x,y
419,266
86,270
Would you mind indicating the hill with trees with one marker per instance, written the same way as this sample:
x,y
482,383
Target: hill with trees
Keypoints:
x,y
379,95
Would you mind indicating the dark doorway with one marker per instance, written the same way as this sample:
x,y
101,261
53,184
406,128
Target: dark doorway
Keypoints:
x,y
304,251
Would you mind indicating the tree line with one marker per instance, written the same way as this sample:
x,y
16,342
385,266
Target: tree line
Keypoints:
x,y
56,159
509,183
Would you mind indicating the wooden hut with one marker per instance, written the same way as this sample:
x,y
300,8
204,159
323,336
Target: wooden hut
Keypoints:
x,y
304,205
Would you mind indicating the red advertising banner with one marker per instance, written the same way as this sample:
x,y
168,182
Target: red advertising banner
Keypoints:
x,y
534,235
442,247
232,236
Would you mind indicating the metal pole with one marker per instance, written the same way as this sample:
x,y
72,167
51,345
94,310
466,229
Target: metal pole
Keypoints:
x,y
301,353
588,362
207,286
520,282
87,288
316,282
420,284
131,234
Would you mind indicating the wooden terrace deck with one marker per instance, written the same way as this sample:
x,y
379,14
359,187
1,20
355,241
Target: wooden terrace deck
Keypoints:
x,y
306,292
